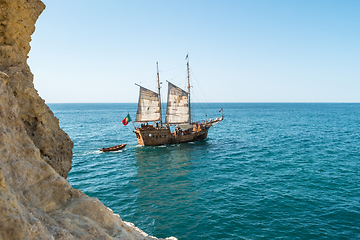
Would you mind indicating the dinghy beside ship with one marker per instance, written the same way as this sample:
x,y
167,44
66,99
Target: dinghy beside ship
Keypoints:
x,y
178,114
114,148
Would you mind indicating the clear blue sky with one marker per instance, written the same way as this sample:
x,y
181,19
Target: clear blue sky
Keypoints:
x,y
240,51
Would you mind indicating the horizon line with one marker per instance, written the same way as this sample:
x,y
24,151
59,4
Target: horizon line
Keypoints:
x,y
192,102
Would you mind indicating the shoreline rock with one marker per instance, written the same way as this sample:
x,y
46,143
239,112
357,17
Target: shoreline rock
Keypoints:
x,y
17,24
36,201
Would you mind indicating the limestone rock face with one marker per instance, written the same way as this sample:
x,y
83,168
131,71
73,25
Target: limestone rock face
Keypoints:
x,y
17,24
36,201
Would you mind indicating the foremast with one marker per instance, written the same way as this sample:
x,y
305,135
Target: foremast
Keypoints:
x,y
149,104
188,78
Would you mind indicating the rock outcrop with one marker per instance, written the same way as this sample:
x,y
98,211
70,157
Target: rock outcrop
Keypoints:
x,y
17,23
36,201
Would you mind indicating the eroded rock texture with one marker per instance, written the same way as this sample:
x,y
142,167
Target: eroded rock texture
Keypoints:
x,y
36,201
17,23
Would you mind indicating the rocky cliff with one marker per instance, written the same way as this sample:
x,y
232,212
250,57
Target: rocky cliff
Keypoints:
x,y
17,23
36,201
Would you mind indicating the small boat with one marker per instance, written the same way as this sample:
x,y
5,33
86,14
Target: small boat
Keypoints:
x,y
114,148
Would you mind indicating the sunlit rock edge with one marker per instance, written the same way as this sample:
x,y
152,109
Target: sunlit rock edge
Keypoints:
x,y
36,201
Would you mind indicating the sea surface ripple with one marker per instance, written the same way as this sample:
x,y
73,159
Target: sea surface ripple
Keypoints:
x,y
268,171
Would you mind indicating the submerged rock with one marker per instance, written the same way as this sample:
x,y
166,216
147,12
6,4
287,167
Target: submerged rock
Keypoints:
x,y
36,201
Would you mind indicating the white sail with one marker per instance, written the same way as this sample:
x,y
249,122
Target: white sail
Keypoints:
x,y
148,106
177,110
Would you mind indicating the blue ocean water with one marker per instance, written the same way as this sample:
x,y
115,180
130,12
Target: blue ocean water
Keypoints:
x,y
268,171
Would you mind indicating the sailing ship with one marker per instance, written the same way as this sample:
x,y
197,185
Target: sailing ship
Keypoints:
x,y
178,126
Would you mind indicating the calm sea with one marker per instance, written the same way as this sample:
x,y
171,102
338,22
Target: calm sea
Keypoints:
x,y
268,171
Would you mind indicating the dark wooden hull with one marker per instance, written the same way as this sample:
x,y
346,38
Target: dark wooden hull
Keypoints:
x,y
151,136
155,137
114,148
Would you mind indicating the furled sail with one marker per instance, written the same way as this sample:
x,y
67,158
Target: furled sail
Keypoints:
x,y
148,107
177,110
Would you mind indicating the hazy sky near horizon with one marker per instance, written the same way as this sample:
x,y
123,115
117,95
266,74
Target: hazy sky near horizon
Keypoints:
x,y
240,51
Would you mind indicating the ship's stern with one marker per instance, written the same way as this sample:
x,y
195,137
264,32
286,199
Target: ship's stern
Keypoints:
x,y
153,137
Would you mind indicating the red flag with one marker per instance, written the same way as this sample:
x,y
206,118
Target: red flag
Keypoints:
x,y
126,120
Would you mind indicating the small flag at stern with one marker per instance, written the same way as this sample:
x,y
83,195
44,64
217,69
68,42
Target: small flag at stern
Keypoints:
x,y
126,120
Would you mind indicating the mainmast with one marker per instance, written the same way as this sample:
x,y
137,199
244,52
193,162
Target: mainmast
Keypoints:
x,y
188,77
158,77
